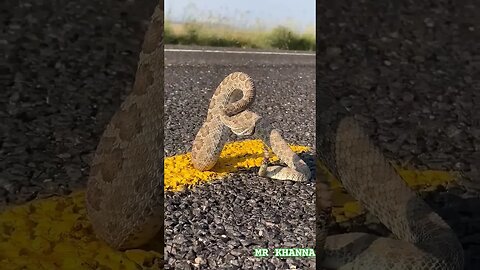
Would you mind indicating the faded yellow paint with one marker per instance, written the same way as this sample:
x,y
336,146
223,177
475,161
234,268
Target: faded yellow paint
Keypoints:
x,y
346,207
55,233
235,156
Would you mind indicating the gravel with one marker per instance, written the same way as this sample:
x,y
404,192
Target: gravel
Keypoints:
x,y
65,69
218,225
221,223
410,70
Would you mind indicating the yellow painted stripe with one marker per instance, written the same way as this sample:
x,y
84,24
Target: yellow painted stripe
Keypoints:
x,y
55,233
345,207
235,156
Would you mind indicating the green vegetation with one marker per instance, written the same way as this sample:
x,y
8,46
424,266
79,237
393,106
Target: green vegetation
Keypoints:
x,y
281,37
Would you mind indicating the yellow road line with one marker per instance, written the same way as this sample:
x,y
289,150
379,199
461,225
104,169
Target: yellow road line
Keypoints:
x,y
55,233
345,207
235,156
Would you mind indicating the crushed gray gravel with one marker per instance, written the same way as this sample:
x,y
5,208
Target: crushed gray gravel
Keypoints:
x,y
65,68
410,70
219,224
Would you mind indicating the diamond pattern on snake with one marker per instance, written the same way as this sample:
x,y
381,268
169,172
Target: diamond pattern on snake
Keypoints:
x,y
225,115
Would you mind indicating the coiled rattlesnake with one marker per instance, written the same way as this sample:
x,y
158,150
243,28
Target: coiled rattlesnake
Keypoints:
x,y
224,113
423,239
124,196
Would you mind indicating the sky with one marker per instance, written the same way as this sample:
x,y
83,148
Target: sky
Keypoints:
x,y
299,14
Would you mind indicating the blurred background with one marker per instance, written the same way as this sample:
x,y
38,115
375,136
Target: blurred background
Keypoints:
x,y
285,25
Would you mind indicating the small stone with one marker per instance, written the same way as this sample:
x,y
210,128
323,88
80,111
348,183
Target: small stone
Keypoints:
x,y
333,66
429,22
11,186
199,260
333,51
64,155
453,131
394,35
419,58
408,97
460,166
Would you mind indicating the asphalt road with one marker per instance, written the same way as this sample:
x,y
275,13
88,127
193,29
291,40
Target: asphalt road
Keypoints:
x,y
65,68
220,224
409,69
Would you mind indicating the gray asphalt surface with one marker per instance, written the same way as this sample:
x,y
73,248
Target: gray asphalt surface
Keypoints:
x,y
219,224
410,71
65,68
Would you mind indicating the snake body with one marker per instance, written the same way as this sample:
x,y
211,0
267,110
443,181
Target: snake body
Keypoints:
x,y
423,240
224,114
124,197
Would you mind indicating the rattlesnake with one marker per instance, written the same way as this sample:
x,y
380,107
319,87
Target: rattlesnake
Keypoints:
x,y
424,240
224,112
124,196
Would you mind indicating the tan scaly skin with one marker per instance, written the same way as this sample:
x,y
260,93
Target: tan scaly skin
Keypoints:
x,y
225,113
423,239
124,196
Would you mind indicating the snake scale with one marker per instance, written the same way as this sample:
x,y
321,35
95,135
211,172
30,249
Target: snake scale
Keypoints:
x,y
124,196
423,239
224,112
